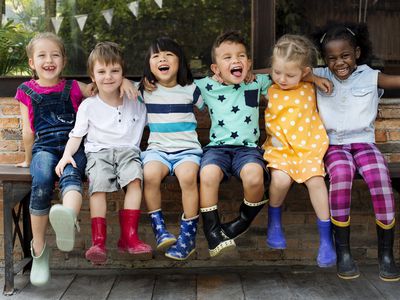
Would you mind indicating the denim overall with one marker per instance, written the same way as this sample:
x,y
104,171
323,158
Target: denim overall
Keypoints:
x,y
54,118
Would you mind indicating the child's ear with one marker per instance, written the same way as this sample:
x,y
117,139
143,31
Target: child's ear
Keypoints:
x,y
214,68
250,64
306,71
31,64
358,52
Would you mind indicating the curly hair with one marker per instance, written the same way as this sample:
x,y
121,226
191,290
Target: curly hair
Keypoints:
x,y
356,34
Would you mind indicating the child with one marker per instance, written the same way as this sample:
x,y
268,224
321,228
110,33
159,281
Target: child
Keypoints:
x,y
173,145
48,106
234,133
296,142
113,127
348,115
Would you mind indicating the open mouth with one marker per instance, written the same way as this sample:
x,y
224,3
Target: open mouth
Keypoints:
x,y
163,69
50,68
342,72
237,71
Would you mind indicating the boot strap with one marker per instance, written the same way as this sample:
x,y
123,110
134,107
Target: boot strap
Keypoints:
x,y
208,209
253,204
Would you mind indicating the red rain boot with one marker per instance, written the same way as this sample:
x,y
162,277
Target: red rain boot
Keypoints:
x,y
97,253
129,240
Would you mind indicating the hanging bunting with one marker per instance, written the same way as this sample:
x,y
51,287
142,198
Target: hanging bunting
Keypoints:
x,y
108,15
57,23
134,7
81,19
159,3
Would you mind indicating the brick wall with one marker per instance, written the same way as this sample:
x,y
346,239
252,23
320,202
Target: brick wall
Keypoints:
x,y
298,218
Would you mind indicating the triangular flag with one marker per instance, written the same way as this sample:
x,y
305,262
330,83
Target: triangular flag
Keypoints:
x,y
57,23
134,7
159,3
81,19
108,15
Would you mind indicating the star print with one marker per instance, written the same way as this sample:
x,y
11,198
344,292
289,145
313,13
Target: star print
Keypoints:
x,y
221,123
221,98
245,143
248,119
235,109
255,80
255,131
221,143
234,135
209,87
211,111
213,136
236,86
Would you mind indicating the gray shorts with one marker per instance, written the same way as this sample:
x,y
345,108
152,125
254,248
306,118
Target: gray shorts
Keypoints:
x,y
109,170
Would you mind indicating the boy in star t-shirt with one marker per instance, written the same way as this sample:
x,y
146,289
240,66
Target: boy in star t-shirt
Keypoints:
x,y
233,107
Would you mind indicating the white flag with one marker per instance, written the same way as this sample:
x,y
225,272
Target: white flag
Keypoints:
x,y
108,15
159,3
81,19
134,7
57,23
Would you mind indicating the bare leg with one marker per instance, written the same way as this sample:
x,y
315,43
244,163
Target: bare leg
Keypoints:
x,y
210,179
252,176
279,187
319,196
39,226
133,195
187,177
154,173
98,205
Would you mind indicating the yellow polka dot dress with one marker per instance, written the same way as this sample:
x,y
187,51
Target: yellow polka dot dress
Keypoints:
x,y
296,138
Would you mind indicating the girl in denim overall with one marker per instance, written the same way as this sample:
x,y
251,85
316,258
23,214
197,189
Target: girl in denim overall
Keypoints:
x,y
48,107
349,116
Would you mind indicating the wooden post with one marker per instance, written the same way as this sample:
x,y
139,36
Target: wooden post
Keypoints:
x,y
262,32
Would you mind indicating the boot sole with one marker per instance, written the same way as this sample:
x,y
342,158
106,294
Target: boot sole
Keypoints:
x,y
180,258
63,223
96,259
348,277
389,279
130,251
276,247
166,244
222,247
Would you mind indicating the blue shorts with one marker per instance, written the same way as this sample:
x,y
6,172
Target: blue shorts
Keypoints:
x,y
172,160
232,159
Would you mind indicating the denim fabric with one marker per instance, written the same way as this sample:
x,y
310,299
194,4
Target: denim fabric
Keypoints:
x,y
54,117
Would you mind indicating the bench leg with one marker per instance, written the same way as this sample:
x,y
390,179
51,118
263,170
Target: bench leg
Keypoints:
x,y
8,206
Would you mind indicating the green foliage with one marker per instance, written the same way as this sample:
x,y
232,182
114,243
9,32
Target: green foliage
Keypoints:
x,y
13,40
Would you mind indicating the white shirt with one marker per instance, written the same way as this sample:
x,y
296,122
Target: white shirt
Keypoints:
x,y
108,127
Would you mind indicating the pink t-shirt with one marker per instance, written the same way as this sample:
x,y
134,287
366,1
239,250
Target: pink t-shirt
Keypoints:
x,y
75,94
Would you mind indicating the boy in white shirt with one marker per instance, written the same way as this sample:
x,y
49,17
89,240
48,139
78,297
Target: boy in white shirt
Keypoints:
x,y
113,127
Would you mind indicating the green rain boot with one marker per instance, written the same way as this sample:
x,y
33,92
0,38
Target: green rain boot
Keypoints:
x,y
63,220
40,271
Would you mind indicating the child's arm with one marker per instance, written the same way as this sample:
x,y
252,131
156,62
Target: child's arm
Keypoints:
x,y
322,83
28,136
126,88
388,81
70,149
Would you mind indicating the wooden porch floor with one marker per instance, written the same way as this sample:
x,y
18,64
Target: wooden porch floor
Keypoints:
x,y
295,282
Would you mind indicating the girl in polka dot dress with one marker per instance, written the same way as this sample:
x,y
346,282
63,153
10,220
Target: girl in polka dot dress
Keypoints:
x,y
297,141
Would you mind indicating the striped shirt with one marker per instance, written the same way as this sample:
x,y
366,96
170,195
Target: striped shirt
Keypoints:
x,y
171,118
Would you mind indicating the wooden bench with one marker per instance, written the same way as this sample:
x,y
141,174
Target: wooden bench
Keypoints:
x,y
16,192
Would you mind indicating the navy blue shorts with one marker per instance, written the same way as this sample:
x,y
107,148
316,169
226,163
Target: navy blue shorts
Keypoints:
x,y
232,159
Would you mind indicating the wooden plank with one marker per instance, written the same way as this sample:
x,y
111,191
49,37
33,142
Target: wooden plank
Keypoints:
x,y
263,285
221,286
175,287
53,290
133,287
12,173
388,290
90,287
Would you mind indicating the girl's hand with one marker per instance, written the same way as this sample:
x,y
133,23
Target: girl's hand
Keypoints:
x,y
24,164
65,160
323,84
128,89
149,86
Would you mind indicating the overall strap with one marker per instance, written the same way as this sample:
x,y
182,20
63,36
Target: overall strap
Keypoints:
x,y
66,91
30,93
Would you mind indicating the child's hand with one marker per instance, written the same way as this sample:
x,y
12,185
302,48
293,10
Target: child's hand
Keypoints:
x,y
323,84
24,164
128,89
65,160
149,86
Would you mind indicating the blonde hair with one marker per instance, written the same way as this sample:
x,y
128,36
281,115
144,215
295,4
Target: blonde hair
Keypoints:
x,y
107,53
295,48
45,36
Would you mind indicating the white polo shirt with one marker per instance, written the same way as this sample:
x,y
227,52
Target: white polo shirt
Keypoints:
x,y
107,127
349,113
